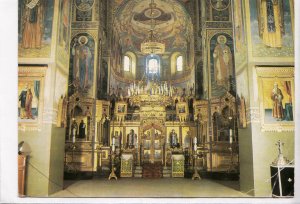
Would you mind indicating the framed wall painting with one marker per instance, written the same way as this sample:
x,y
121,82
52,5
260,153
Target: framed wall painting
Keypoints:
x,y
276,98
30,96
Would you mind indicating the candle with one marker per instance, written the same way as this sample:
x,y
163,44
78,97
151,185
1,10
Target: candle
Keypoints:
x,y
195,147
113,144
230,136
73,139
195,140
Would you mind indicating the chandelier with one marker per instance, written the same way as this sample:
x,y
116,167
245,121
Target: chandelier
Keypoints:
x,y
152,44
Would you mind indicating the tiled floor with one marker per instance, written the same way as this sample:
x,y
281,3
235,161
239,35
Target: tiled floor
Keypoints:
x,y
166,187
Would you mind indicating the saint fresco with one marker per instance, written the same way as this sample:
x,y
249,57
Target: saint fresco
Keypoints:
x,y
222,69
28,101
35,28
82,64
278,101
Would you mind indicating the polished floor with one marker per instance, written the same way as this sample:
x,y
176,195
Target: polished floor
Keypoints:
x,y
153,188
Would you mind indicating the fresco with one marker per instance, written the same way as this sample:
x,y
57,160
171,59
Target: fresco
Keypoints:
x,y
28,105
274,38
82,64
64,27
102,81
84,11
277,100
239,25
222,66
220,10
173,24
35,28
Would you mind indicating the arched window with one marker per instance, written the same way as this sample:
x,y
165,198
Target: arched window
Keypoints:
x,y
153,66
179,63
127,63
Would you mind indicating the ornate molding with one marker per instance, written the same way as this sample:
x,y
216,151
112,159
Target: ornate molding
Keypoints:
x,y
253,115
212,32
85,25
278,128
271,72
217,24
32,71
93,33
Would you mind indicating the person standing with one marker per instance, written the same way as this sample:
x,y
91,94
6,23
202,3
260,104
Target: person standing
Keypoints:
x,y
82,70
222,62
28,104
277,97
173,139
82,130
33,24
22,99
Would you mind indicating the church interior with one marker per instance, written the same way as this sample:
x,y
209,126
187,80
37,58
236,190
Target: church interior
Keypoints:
x,y
168,98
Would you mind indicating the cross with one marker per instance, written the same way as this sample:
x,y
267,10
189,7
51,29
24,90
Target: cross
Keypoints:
x,y
280,144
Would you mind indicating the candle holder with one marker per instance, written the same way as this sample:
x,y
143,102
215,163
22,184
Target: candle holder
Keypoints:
x,y
196,174
231,167
112,173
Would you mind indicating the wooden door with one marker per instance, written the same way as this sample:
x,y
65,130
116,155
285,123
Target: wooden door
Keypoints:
x,y
152,146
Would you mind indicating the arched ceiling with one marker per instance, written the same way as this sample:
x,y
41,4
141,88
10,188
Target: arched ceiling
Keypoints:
x,y
132,23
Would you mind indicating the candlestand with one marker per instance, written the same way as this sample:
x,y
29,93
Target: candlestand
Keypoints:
x,y
112,173
231,167
196,174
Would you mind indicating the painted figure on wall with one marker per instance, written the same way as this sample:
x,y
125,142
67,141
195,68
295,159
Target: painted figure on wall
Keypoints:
x,y
82,128
64,26
173,139
271,22
222,61
103,81
61,112
277,97
82,62
29,99
33,24
28,104
22,99
289,104
131,139
239,25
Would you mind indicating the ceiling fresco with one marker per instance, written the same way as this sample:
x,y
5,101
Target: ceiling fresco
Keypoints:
x,y
173,24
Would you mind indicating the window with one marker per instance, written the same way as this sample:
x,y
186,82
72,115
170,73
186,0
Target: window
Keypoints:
x,y
127,63
179,63
153,66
